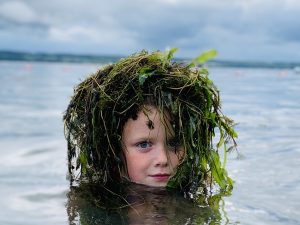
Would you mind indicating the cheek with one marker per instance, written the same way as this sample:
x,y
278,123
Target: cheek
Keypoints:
x,y
136,166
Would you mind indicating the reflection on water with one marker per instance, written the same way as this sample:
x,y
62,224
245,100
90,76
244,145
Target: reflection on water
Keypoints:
x,y
146,205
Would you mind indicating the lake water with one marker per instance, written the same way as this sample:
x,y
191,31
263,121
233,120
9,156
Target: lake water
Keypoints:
x,y
264,102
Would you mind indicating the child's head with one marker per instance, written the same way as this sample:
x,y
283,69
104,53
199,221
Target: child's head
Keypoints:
x,y
151,148
147,120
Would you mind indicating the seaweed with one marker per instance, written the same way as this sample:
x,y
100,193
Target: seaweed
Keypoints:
x,y
103,102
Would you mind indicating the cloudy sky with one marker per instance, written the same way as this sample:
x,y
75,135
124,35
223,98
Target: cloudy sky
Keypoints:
x,y
256,30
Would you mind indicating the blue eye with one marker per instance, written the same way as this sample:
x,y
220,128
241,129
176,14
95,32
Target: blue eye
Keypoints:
x,y
144,145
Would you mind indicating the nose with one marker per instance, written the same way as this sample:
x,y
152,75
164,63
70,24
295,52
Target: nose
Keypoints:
x,y
161,158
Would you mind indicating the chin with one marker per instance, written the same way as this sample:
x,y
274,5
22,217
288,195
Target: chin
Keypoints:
x,y
152,184
157,184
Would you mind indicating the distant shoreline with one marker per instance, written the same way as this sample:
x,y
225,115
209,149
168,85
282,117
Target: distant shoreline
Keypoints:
x,y
47,57
103,59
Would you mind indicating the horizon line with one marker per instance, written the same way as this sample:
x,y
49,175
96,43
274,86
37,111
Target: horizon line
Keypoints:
x,y
13,55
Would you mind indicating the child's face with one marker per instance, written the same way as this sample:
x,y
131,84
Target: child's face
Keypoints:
x,y
152,155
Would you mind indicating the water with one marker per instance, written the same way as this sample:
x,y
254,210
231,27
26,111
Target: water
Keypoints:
x,y
264,102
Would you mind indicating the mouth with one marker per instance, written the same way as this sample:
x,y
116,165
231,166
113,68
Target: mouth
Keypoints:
x,y
161,177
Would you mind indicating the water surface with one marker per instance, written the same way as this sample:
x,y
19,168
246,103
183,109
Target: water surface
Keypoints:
x,y
264,102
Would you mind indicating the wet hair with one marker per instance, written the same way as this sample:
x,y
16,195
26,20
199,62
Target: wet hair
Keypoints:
x,y
104,101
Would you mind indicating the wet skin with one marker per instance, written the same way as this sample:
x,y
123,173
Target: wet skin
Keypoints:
x,y
150,150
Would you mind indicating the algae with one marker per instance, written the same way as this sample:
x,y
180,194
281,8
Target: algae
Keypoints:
x,y
103,102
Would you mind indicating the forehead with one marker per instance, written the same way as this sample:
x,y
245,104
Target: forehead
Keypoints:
x,y
149,118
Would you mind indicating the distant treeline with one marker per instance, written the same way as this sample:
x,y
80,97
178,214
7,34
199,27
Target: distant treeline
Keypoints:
x,y
47,57
73,58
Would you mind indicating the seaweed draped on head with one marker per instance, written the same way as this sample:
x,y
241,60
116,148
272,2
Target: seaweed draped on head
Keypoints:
x,y
103,102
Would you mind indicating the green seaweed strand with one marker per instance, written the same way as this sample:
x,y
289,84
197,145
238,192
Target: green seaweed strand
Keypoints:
x,y
94,118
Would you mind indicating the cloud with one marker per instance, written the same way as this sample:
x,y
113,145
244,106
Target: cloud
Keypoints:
x,y
18,17
17,11
77,34
235,27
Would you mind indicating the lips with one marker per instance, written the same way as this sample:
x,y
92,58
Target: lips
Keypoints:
x,y
161,177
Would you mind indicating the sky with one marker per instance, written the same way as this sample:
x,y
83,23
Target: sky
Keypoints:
x,y
240,30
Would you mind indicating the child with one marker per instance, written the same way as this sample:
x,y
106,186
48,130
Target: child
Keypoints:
x,y
149,121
